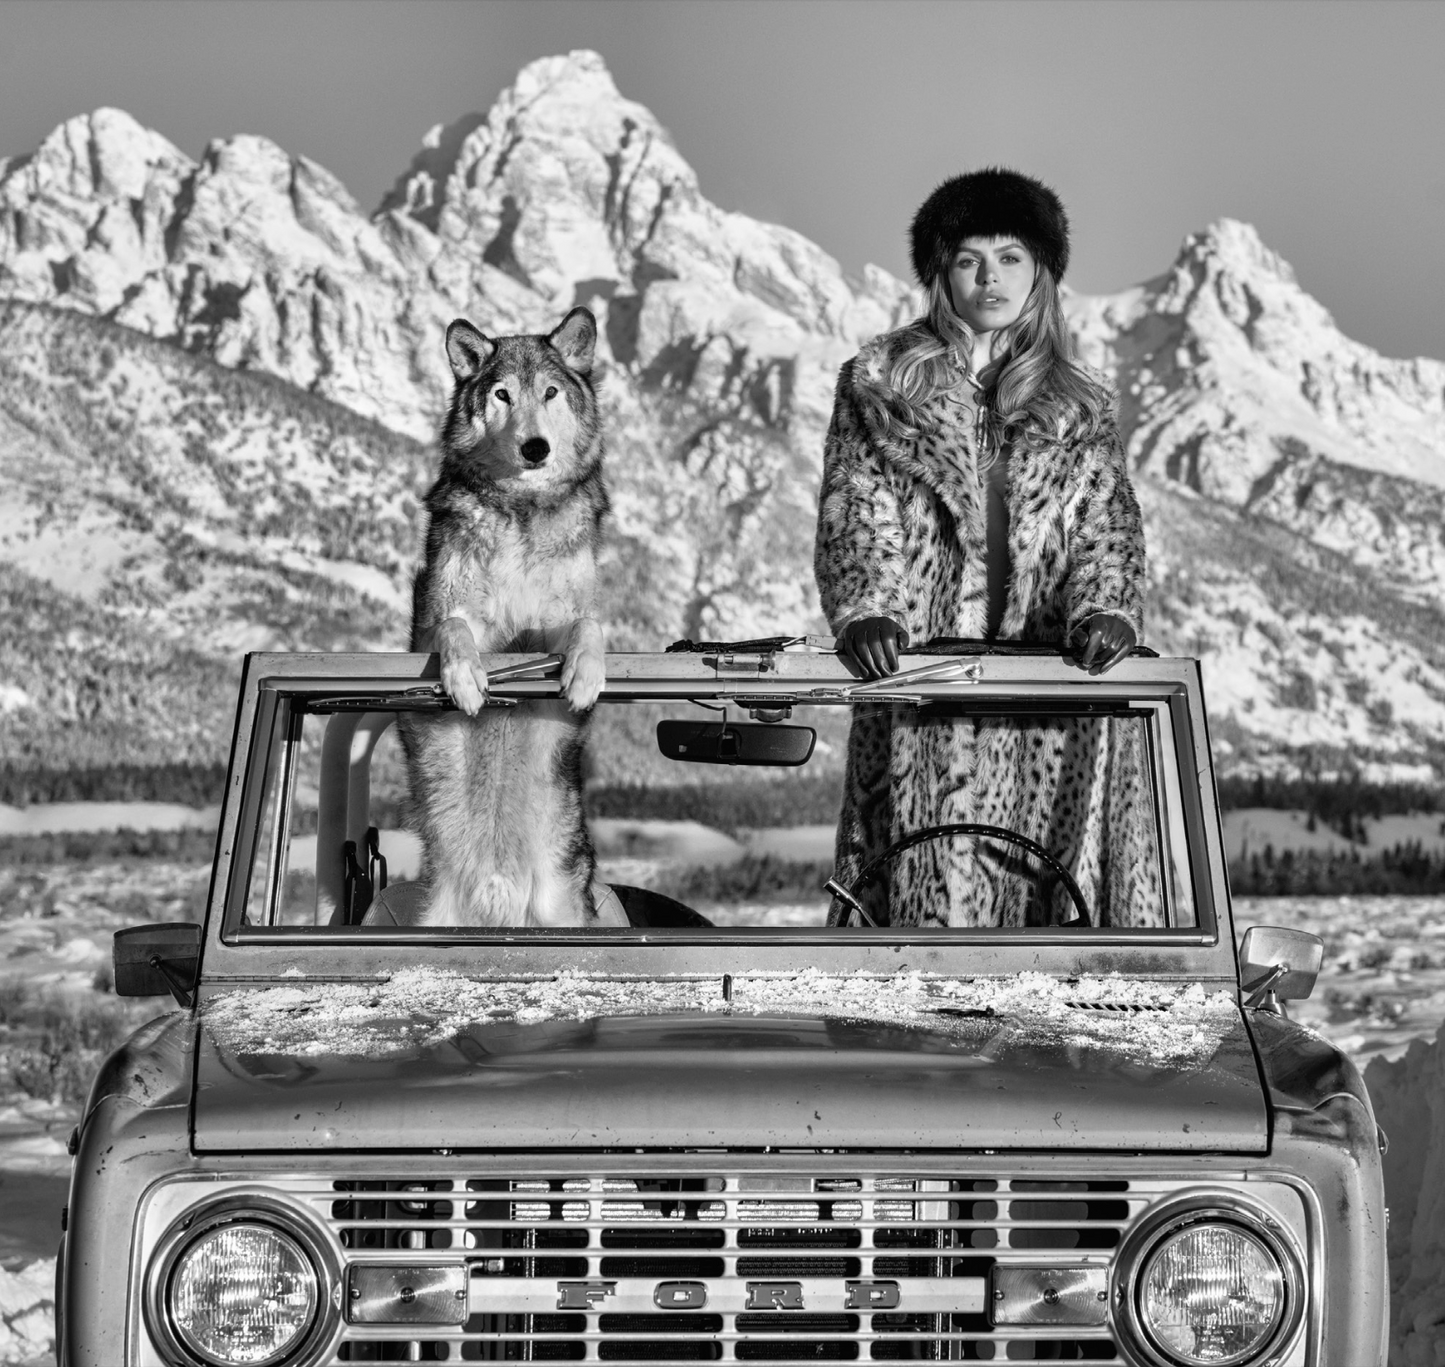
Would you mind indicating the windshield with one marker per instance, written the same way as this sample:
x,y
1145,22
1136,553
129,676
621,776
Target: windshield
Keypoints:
x,y
700,815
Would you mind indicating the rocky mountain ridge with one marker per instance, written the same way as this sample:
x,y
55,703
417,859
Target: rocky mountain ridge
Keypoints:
x,y
1236,383
565,193
1292,479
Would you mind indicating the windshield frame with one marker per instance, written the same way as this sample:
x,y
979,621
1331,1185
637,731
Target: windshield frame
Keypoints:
x,y
235,951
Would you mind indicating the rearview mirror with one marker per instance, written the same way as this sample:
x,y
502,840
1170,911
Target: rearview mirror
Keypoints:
x,y
1281,963
150,961
735,742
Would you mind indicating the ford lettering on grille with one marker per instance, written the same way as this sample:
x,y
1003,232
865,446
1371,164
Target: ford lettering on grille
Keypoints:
x,y
726,1295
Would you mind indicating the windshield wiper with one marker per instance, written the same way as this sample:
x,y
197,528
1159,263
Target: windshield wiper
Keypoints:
x,y
432,697
895,687
761,645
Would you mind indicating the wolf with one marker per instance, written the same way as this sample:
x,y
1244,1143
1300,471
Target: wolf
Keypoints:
x,y
510,565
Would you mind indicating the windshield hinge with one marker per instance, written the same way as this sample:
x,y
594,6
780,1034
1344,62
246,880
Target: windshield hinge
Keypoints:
x,y
736,662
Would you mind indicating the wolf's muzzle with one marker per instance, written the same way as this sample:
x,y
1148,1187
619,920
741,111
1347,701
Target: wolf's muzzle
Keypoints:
x,y
535,450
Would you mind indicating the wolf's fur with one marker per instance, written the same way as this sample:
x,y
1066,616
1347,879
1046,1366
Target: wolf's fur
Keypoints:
x,y
511,565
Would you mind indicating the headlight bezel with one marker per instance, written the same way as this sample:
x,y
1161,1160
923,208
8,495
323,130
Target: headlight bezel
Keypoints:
x,y
245,1208
1171,1218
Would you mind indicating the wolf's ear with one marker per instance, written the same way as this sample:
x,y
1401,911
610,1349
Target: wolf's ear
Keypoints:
x,y
467,349
576,338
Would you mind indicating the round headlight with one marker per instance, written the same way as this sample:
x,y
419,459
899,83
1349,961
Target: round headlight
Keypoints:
x,y
242,1295
248,1280
1211,1293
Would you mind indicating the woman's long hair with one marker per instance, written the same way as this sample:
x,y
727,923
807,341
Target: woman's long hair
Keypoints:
x,y
1040,394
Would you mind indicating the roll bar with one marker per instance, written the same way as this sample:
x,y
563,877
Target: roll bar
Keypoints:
x,y
345,805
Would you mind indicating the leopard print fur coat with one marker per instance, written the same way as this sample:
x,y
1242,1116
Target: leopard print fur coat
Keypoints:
x,y
901,534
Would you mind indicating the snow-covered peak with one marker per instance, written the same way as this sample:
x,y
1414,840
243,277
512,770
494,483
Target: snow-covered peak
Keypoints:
x,y
1229,325
85,214
1236,292
561,180
564,103
103,155
1238,384
252,199
1236,248
578,195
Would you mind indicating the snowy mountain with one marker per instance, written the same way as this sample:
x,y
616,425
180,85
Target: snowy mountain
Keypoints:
x,y
162,513
1248,417
1236,383
213,486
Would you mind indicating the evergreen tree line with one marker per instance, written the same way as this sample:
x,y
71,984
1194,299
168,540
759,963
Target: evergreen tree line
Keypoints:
x,y
1342,804
189,846
1335,802
194,785
1405,869
747,804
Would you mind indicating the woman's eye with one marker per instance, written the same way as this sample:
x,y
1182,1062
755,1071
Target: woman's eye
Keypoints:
x,y
551,392
502,395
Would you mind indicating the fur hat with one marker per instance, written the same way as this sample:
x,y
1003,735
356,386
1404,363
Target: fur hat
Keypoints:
x,y
993,202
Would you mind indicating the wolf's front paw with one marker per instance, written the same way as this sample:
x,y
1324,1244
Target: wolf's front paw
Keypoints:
x,y
583,675
466,681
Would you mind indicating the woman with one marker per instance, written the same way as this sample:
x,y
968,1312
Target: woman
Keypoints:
x,y
974,486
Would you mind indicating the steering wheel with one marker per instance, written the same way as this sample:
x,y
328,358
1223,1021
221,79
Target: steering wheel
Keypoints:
x,y
907,842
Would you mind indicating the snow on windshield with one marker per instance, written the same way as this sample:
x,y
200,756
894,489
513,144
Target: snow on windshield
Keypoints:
x,y
420,1008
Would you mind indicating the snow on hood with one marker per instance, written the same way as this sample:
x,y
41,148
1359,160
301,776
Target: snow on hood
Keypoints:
x,y
421,1008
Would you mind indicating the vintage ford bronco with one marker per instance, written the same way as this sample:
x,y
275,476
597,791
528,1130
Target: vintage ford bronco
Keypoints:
x,y
735,1131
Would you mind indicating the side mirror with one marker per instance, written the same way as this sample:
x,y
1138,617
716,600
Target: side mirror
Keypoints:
x,y
150,961
1275,963
735,742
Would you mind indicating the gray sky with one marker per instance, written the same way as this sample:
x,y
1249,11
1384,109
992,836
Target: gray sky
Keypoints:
x,y
1319,121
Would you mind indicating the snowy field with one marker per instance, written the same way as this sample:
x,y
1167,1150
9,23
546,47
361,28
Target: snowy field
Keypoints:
x,y
1383,982
1383,985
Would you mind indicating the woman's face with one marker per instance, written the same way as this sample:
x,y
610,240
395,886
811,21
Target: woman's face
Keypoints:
x,y
990,278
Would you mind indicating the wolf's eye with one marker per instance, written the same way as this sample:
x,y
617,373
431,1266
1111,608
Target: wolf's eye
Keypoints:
x,y
502,395
551,392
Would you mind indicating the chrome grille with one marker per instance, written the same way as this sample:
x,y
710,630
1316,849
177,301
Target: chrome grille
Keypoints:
x,y
689,1267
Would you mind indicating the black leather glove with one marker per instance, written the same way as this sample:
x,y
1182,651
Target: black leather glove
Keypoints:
x,y
1106,639
872,645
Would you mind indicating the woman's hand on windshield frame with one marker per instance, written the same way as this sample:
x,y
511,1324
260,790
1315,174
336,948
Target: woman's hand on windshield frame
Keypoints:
x,y
872,644
1107,639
